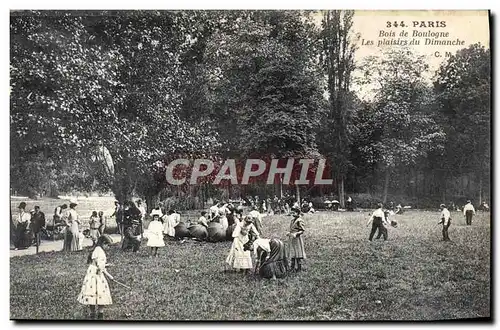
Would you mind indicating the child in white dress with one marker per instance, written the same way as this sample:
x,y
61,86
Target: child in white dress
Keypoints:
x,y
95,289
155,235
238,258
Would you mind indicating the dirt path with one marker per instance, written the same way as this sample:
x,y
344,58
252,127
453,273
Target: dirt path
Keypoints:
x,y
50,246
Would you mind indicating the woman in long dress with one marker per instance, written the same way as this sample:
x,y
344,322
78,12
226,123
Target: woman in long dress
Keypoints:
x,y
155,235
271,258
239,257
74,230
95,291
296,242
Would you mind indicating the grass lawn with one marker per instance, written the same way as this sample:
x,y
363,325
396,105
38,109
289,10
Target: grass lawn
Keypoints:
x,y
413,276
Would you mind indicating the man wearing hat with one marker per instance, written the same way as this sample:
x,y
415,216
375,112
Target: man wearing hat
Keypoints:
x,y
130,239
445,220
23,221
468,212
37,225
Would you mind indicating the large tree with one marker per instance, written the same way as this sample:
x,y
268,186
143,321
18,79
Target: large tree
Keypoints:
x,y
267,84
79,79
339,46
405,129
463,93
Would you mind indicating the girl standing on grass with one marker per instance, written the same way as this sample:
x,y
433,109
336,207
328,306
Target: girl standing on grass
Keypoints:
x,y
296,242
95,291
244,234
155,235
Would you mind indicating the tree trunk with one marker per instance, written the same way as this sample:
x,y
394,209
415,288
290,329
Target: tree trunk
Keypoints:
x,y
123,181
341,192
152,200
297,187
480,189
386,185
281,186
12,228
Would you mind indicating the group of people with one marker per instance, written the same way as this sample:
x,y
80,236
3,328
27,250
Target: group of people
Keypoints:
x,y
127,212
445,218
269,258
273,258
271,254
380,220
28,227
270,206
73,226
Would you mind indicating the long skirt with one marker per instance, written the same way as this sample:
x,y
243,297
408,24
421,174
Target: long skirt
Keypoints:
x,y
75,241
22,238
81,239
95,288
68,238
224,222
237,257
277,268
296,248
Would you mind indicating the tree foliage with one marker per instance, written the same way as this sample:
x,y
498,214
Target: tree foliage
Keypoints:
x,y
153,86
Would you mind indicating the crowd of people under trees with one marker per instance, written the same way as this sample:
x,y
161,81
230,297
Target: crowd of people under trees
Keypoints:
x,y
30,227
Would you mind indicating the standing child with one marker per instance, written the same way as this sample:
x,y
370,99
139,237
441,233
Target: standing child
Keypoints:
x,y
240,258
95,291
155,235
94,227
445,220
296,241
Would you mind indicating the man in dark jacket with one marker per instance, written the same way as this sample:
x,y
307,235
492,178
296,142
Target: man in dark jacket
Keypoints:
x,y
130,239
37,225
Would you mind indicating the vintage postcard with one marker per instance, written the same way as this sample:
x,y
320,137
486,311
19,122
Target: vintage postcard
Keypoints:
x,y
272,165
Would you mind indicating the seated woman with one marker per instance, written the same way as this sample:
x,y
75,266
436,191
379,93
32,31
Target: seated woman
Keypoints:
x,y
130,238
271,258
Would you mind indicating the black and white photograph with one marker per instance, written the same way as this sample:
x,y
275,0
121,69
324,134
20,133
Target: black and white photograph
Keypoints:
x,y
250,165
